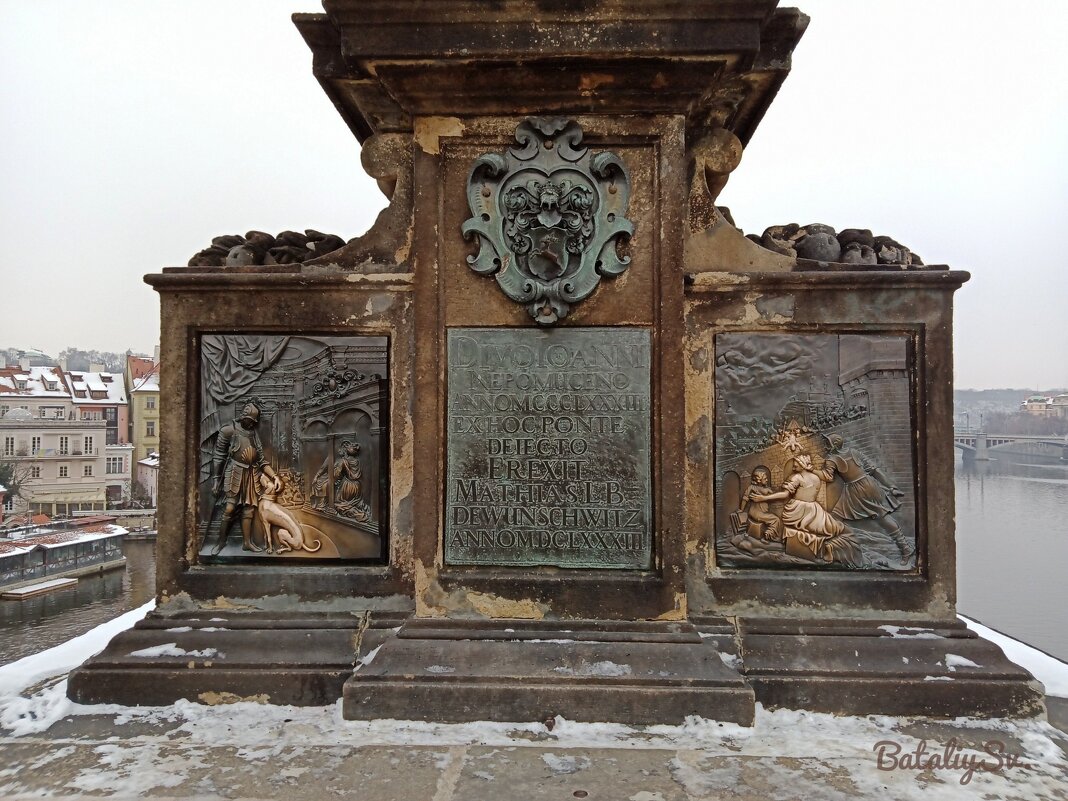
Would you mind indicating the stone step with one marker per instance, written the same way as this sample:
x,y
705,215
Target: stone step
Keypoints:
x,y
500,671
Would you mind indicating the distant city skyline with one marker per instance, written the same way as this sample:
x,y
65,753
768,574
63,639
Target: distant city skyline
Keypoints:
x,y
142,130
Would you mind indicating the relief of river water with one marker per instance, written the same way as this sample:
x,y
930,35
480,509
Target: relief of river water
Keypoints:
x,y
1012,555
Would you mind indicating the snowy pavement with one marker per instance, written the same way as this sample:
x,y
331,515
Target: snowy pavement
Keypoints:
x,y
51,748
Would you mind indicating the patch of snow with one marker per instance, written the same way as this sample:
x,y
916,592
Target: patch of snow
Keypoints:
x,y
605,668
172,649
731,660
953,661
561,765
180,629
905,659
910,633
535,639
938,678
367,658
1052,672
439,669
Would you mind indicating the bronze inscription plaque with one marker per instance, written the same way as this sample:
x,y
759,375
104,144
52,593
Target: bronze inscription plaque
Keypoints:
x,y
549,448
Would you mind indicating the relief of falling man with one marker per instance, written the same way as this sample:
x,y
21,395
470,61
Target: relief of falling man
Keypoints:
x,y
813,451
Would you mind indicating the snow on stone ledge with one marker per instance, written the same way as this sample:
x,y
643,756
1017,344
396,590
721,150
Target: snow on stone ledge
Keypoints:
x,y
1050,671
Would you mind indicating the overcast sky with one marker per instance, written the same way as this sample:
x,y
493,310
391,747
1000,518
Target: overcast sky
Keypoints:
x,y
133,132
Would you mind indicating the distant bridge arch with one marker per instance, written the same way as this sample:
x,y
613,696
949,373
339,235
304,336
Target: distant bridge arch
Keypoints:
x,y
978,444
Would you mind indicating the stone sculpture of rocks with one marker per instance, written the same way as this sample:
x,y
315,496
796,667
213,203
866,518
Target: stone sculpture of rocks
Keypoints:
x,y
818,242
259,247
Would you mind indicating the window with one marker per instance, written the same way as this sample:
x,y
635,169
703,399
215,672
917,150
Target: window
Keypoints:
x,y
9,503
4,410
9,446
150,428
59,414
113,464
64,446
87,470
35,445
63,472
150,402
111,415
42,411
88,446
35,472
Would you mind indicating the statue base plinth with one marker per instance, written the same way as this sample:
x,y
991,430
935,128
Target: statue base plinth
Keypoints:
x,y
887,667
220,656
521,670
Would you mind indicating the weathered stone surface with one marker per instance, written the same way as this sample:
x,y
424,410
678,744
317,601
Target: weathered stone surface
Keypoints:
x,y
518,670
219,657
889,667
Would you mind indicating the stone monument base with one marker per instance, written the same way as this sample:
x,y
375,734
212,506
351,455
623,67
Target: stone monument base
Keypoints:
x,y
386,665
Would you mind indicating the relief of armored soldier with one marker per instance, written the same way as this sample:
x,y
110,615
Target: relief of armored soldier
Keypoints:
x,y
237,456
867,493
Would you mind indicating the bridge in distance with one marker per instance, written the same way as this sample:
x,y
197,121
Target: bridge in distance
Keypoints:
x,y
981,446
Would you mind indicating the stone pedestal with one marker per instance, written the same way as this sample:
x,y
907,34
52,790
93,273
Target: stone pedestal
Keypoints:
x,y
553,437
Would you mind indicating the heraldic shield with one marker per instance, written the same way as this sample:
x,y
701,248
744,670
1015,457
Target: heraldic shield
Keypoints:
x,y
548,217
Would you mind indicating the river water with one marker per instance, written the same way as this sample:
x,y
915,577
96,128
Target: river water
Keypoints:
x,y
39,623
1012,548
1012,555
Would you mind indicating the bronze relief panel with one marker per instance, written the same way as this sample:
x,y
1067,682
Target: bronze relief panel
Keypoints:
x,y
814,463
292,447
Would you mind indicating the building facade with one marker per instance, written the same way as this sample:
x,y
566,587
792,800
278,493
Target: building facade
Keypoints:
x,y
62,460
1046,406
142,384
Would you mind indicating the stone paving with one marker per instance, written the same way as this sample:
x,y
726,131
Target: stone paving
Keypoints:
x,y
246,751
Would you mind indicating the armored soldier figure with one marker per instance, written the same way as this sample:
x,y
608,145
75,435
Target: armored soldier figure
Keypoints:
x,y
867,495
238,454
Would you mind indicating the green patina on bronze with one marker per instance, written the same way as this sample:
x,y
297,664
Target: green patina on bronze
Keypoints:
x,y
549,448
548,216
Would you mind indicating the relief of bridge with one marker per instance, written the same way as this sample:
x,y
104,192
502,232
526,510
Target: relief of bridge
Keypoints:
x,y
980,445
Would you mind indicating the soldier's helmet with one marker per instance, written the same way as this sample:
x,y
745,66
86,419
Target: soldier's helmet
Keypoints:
x,y
250,413
835,442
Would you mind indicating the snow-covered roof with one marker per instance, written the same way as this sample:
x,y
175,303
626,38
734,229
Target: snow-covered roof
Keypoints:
x,y
57,539
149,383
152,460
97,388
39,382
